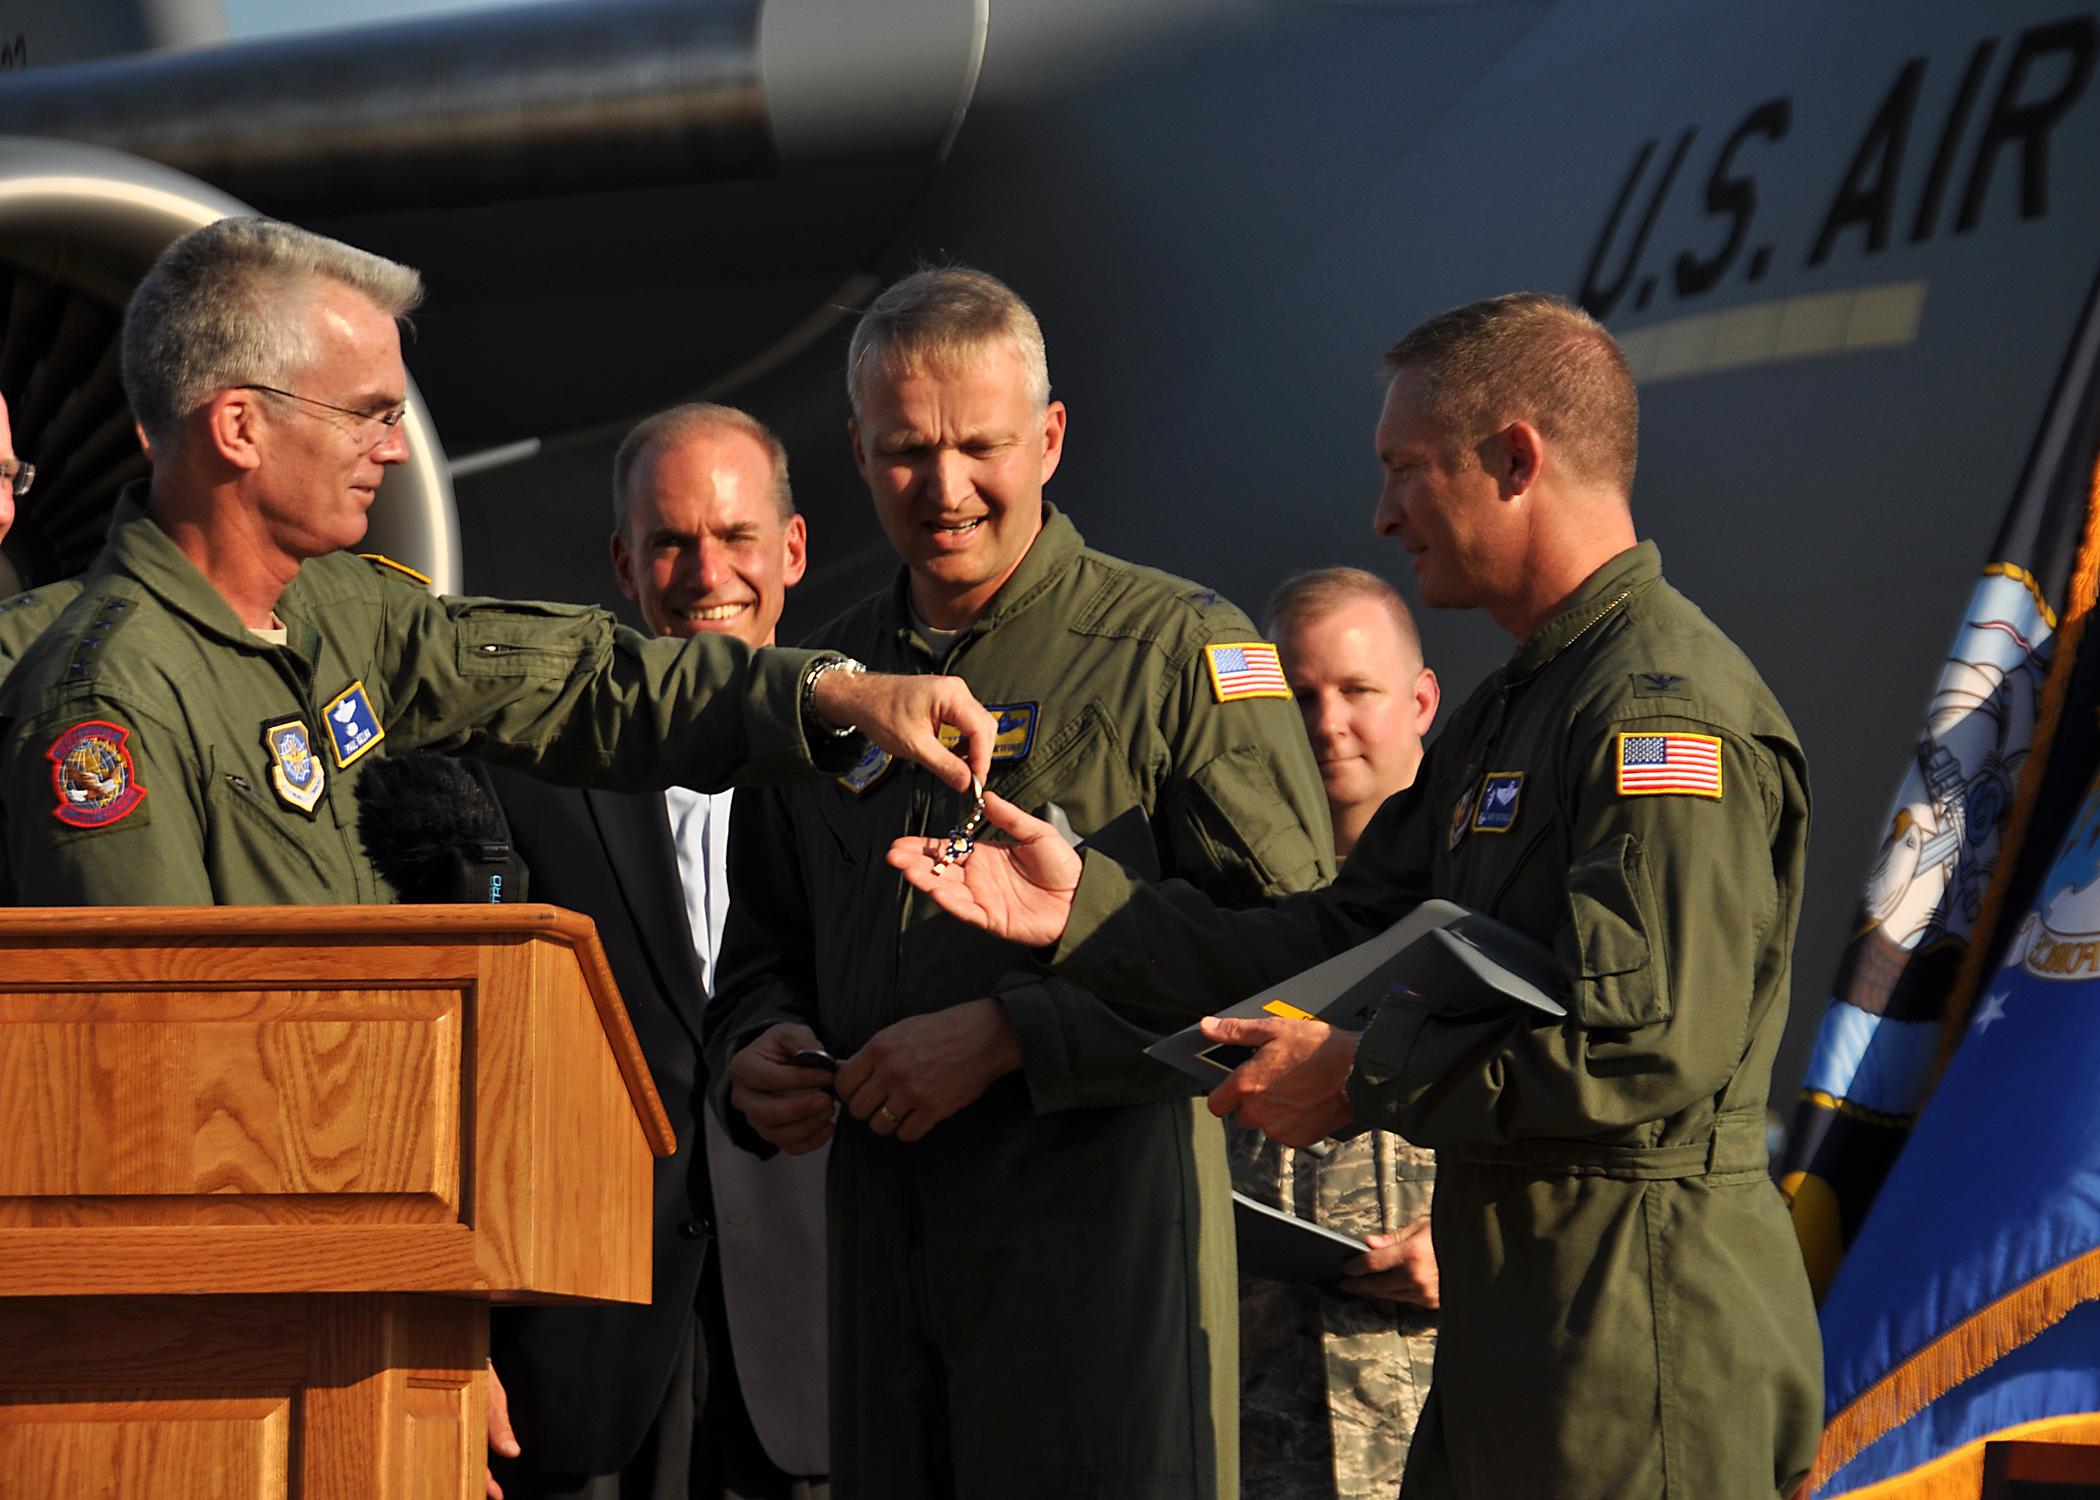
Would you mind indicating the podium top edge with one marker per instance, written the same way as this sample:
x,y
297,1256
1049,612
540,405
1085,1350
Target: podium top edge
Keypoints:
x,y
248,923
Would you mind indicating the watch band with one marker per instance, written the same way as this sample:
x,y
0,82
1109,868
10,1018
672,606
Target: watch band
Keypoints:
x,y
813,722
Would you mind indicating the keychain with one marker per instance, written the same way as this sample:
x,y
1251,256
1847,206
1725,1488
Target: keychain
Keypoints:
x,y
962,840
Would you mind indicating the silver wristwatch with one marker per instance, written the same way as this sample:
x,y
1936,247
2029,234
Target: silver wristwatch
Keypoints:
x,y
812,721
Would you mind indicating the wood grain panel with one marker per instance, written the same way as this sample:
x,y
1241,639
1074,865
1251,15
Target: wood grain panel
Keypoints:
x,y
182,1107
113,1341
231,1209
218,947
145,1444
201,1259
591,1165
438,1451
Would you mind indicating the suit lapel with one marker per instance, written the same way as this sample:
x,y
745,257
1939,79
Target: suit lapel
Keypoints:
x,y
636,831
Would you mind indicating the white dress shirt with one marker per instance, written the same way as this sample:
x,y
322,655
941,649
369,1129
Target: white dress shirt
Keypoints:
x,y
700,833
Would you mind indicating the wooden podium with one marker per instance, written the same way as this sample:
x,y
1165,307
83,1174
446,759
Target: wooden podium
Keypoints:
x,y
263,1170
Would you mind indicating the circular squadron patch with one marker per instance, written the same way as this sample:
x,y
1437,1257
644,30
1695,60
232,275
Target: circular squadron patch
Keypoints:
x,y
92,774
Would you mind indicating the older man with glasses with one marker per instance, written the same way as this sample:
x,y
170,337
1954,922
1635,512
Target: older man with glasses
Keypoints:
x,y
191,728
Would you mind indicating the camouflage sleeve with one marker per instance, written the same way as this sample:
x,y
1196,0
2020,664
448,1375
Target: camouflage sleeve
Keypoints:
x,y
1671,898
564,693
105,808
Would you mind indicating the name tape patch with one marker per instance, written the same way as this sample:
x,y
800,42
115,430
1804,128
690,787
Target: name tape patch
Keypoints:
x,y
295,771
1655,765
92,774
1248,670
1496,811
1016,730
353,728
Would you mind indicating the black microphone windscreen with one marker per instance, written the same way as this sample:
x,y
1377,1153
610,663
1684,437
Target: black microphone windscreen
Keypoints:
x,y
413,807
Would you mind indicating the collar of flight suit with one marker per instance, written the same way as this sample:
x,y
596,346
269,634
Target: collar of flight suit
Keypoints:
x,y
138,547
1054,550
1637,568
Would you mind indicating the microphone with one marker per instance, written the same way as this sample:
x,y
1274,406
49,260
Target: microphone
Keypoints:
x,y
435,834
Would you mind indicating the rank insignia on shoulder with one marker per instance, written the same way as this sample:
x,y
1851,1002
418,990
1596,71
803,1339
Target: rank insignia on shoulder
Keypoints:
x,y
1016,730
1655,765
1248,670
1462,813
352,726
381,560
295,771
1496,811
92,774
867,770
1659,685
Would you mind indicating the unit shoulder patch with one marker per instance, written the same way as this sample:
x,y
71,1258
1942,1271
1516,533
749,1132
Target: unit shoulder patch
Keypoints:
x,y
868,770
353,728
1462,811
1248,669
92,775
295,771
1496,810
1655,765
378,559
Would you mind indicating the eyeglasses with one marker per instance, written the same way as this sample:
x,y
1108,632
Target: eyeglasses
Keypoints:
x,y
388,419
19,474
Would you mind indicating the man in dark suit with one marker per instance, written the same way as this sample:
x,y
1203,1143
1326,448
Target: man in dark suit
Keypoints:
x,y
716,1388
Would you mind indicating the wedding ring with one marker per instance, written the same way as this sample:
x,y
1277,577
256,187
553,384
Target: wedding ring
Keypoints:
x,y
884,1111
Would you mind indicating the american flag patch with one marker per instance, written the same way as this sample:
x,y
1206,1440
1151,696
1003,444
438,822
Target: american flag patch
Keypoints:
x,y
1651,765
1249,671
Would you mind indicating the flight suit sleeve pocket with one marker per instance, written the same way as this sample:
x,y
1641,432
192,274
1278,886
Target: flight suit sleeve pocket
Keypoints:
x,y
527,640
1247,822
1621,980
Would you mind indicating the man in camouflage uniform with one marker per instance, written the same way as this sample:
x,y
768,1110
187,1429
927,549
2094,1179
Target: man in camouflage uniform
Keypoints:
x,y
1625,1313
1332,1380
191,728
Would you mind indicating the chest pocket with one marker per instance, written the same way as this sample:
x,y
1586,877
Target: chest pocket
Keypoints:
x,y
249,839
1621,969
1081,766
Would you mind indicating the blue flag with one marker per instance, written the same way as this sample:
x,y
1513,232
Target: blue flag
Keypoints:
x,y
1969,1306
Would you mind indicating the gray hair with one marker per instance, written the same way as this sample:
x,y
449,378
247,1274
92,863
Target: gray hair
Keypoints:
x,y
1531,357
1304,597
652,435
222,307
943,315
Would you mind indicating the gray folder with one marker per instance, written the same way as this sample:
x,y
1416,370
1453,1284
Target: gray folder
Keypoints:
x,y
1452,960
1280,1247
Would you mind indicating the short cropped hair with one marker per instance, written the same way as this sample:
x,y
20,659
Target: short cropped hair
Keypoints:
x,y
1305,597
1534,358
652,435
222,308
942,315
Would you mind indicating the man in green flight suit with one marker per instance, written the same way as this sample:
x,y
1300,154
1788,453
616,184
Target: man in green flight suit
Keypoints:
x,y
191,727
1625,1313
25,616
1032,1290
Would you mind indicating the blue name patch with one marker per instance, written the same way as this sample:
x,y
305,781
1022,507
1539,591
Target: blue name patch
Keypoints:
x,y
1497,809
352,726
1016,730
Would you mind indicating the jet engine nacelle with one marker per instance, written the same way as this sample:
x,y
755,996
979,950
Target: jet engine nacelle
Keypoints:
x,y
79,225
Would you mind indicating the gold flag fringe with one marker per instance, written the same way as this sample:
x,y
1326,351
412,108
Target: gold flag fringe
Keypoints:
x,y
1959,1475
1965,1350
2078,604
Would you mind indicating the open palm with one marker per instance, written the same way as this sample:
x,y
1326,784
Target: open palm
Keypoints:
x,y
1021,891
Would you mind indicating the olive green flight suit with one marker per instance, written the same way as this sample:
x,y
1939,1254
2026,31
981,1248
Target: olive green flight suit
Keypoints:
x,y
136,734
28,615
1625,1313
1036,1299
